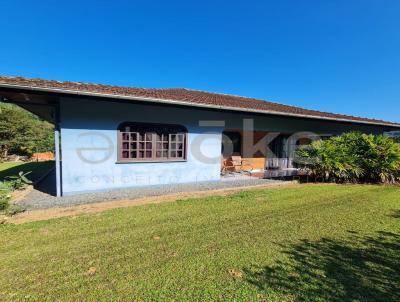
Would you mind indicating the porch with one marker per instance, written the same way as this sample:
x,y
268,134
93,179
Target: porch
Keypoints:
x,y
271,156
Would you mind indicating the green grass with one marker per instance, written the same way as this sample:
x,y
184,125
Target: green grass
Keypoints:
x,y
313,243
38,169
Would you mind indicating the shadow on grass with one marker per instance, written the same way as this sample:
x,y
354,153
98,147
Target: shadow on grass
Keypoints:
x,y
38,170
395,214
357,269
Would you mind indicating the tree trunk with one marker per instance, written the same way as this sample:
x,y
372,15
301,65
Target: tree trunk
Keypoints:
x,y
3,151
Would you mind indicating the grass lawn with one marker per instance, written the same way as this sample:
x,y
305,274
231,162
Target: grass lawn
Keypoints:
x,y
38,169
308,243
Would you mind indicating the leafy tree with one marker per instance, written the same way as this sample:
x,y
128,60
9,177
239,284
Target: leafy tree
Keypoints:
x,y
23,133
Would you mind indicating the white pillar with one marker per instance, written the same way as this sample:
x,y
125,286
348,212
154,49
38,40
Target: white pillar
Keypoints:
x,y
57,150
57,158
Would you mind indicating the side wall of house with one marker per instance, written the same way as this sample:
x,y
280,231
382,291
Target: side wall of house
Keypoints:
x,y
89,147
89,142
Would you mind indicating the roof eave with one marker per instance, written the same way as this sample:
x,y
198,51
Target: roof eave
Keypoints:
x,y
191,104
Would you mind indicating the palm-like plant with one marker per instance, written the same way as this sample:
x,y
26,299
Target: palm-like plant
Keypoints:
x,y
352,157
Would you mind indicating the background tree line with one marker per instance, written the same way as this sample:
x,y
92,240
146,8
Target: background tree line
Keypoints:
x,y
23,133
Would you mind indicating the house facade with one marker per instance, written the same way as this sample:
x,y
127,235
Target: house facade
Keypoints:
x,y
114,137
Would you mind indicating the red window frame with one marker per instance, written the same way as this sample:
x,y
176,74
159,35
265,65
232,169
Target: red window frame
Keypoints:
x,y
144,142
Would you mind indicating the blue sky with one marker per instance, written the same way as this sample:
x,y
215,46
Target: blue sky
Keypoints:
x,y
338,56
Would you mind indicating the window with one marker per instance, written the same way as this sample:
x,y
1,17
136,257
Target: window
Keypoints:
x,y
139,142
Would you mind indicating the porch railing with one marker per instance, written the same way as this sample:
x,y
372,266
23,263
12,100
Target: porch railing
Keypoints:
x,y
279,163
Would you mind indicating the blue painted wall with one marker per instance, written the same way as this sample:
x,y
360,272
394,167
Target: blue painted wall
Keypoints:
x,y
89,142
89,148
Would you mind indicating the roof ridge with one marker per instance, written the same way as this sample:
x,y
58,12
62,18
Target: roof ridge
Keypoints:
x,y
245,97
191,97
76,82
269,101
176,88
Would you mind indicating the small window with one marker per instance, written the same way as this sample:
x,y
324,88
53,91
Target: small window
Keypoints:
x,y
138,142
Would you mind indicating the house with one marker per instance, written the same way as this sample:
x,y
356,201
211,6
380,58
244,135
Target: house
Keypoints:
x,y
110,137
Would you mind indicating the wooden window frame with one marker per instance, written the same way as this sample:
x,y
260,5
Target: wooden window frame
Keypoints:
x,y
148,148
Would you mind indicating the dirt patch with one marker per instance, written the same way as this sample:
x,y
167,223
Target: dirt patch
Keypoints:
x,y
235,273
18,195
42,156
57,212
91,271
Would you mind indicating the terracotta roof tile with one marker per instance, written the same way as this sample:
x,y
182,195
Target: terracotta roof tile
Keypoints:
x,y
184,95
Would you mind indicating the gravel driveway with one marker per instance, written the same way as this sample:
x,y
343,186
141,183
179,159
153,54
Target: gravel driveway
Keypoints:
x,y
39,200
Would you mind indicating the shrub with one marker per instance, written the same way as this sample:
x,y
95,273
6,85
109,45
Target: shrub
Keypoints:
x,y
352,157
19,181
5,196
4,201
16,182
15,209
